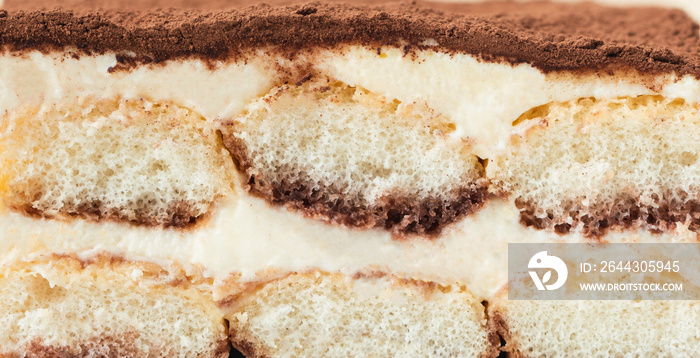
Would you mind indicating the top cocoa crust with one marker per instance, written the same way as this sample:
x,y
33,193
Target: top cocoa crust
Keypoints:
x,y
552,37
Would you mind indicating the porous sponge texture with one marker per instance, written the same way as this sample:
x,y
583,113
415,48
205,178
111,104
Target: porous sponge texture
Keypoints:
x,y
596,152
348,138
601,328
126,159
57,307
321,315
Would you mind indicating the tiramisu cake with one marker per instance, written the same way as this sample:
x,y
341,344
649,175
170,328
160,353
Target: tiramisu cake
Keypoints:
x,y
334,180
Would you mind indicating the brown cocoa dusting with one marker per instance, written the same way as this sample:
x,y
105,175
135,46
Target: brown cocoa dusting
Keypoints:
x,y
596,220
580,37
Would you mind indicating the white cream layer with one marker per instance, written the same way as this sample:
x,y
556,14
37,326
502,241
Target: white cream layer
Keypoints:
x,y
36,78
483,99
245,235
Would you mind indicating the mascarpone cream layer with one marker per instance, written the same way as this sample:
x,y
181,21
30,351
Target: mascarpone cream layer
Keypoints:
x,y
246,236
482,99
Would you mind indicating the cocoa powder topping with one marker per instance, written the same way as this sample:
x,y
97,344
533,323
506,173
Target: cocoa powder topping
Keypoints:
x,y
550,36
